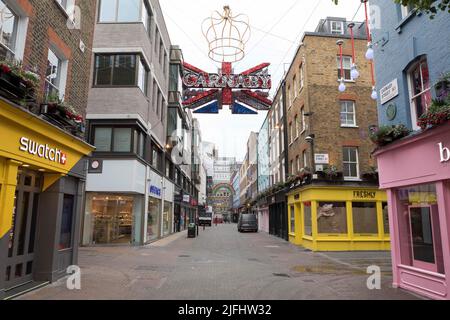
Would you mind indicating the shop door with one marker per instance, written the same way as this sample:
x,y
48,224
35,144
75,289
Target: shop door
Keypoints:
x,y
19,262
424,237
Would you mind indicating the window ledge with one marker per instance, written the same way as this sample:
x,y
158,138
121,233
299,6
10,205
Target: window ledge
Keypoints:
x,y
347,81
347,127
406,20
353,179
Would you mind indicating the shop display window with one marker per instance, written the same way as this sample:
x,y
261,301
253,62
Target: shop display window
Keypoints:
x,y
419,228
153,225
307,220
386,218
112,217
365,218
167,218
332,217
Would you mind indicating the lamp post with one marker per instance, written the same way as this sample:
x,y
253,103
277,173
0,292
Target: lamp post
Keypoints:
x,y
310,139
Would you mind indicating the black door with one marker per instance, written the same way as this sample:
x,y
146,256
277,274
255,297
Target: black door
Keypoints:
x,y
21,244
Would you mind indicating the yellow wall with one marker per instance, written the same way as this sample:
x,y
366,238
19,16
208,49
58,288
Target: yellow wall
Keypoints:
x,y
15,123
336,242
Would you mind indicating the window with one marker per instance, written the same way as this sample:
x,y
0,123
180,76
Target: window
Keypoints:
x,y
53,74
297,129
291,133
305,159
292,167
307,218
295,84
68,6
347,64
303,127
419,227
365,218
332,217
406,10
120,11
8,32
118,139
302,77
385,208
292,212
297,161
351,164
348,114
65,237
420,92
121,70
282,138
337,27
289,96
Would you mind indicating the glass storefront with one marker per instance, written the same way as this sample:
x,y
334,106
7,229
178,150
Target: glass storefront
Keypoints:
x,y
167,218
419,225
307,218
109,218
153,223
332,217
365,220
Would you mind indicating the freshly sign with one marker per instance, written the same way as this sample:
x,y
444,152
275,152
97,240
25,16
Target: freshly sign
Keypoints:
x,y
42,151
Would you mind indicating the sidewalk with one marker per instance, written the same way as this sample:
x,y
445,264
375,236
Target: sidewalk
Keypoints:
x,y
167,240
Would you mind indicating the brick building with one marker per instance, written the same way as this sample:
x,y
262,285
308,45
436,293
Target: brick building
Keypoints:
x,y
328,137
42,106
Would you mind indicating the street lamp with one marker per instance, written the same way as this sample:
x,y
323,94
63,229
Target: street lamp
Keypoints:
x,y
310,139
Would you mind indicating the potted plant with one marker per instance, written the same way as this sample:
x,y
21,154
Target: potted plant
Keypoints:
x,y
385,135
371,175
16,81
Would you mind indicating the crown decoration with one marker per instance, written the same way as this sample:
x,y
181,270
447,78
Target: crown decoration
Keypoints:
x,y
227,35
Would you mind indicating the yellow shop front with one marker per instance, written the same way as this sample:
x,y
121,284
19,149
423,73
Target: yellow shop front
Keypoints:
x,y
37,213
339,218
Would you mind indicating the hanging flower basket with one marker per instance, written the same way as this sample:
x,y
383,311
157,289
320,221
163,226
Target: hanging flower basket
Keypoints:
x,y
382,136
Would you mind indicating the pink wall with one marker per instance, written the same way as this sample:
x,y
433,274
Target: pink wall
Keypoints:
x,y
263,220
417,160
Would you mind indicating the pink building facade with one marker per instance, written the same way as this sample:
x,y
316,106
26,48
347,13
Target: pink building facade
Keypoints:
x,y
415,172
263,219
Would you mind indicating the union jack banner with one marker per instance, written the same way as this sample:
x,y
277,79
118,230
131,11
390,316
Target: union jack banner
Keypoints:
x,y
245,93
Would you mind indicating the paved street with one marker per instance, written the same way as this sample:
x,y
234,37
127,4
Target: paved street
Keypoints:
x,y
223,264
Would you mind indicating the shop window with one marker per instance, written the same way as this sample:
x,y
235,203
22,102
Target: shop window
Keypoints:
x,y
351,163
111,218
154,210
332,218
365,218
307,218
386,218
419,228
65,236
167,218
292,218
348,114
8,31
120,11
347,64
419,91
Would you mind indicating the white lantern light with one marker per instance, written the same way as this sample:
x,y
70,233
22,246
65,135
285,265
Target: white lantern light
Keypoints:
x,y
354,72
369,53
342,86
374,94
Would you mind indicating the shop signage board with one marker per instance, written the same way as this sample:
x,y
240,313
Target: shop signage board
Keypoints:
x,y
389,91
187,198
364,194
44,151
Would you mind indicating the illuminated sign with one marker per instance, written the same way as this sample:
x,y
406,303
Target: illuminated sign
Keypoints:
x,y
42,151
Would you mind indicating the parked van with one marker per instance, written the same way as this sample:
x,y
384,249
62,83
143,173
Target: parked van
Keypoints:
x,y
248,222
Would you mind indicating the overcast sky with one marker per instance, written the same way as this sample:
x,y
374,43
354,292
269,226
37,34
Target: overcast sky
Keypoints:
x,y
276,30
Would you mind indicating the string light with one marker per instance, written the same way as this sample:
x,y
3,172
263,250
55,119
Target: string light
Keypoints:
x,y
342,86
370,52
354,69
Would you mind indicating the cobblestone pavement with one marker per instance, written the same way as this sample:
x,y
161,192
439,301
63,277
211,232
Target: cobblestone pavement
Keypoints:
x,y
224,264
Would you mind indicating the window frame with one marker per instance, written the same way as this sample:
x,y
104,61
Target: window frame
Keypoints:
x,y
292,219
139,20
411,96
11,51
353,103
346,70
341,24
140,61
358,176
133,143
